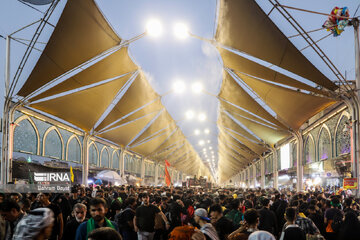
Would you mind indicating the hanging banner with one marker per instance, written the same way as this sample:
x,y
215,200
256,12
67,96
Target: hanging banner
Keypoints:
x,y
167,175
350,183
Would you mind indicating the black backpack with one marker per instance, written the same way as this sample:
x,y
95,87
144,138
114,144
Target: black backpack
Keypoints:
x,y
337,221
119,218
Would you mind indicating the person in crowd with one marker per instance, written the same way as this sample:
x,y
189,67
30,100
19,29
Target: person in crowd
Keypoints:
x,y
176,208
186,232
235,214
331,218
15,196
125,220
201,218
12,213
291,231
350,228
348,202
317,218
57,230
223,225
261,235
267,219
104,233
251,221
98,210
144,220
37,225
314,208
306,224
71,226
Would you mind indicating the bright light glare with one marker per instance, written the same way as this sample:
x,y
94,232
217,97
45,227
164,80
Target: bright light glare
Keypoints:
x,y
202,117
181,31
206,131
208,141
196,87
154,28
197,132
204,149
179,87
201,142
210,148
317,181
190,114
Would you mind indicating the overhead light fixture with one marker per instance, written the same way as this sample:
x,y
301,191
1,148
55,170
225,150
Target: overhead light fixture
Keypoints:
x,y
208,141
206,131
189,114
201,142
202,117
179,87
197,132
181,31
154,28
197,87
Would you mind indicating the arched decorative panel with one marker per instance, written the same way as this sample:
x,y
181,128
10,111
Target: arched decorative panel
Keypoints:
x,y
73,149
93,154
26,137
309,150
115,159
342,136
324,144
53,143
105,158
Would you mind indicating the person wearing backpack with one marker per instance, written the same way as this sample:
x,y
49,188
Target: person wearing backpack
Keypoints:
x,y
291,231
125,218
235,214
333,219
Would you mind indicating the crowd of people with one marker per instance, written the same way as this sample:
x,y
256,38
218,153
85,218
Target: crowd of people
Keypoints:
x,y
160,213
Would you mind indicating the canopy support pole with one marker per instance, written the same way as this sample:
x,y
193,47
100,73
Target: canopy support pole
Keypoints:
x,y
156,174
142,173
262,172
275,169
85,160
355,127
122,162
299,162
6,110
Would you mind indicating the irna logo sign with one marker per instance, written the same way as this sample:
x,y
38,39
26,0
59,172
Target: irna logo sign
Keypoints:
x,y
52,177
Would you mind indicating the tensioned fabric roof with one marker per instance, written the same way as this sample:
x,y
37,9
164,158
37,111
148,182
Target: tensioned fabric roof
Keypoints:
x,y
263,39
111,98
82,33
249,88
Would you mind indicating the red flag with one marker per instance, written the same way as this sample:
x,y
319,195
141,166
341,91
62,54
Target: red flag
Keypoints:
x,y
167,163
167,176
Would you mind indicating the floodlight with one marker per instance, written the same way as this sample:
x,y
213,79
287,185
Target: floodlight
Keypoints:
x,y
154,28
190,114
196,87
179,87
181,31
202,117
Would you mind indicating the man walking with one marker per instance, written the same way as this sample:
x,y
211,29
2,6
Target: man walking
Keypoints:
x,y
144,220
11,212
98,210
